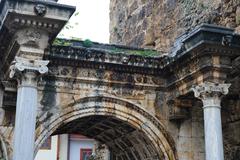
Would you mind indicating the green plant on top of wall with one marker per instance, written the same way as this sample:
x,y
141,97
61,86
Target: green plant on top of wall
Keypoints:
x,y
61,42
145,53
87,43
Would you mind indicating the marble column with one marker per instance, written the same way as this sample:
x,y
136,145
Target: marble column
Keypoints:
x,y
26,72
210,94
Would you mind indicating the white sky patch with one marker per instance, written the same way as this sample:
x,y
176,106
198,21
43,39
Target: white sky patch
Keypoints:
x,y
92,20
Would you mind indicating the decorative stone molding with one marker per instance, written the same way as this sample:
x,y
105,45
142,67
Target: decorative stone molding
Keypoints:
x,y
40,10
9,85
30,67
178,109
211,92
3,149
227,40
22,64
95,55
32,38
37,13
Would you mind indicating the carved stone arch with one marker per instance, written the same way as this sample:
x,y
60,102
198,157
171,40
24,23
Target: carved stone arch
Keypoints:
x,y
109,106
3,149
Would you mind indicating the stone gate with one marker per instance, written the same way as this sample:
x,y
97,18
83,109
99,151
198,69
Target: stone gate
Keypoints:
x,y
142,107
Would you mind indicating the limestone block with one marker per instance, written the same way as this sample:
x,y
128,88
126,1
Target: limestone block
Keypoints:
x,y
185,155
184,144
198,144
198,156
186,129
197,130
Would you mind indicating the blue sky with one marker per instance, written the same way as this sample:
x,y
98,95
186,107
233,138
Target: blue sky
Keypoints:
x,y
92,20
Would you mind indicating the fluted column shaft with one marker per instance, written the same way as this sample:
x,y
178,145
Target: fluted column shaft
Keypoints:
x,y
210,94
26,73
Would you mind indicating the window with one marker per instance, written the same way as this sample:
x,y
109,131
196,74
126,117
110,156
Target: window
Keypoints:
x,y
85,153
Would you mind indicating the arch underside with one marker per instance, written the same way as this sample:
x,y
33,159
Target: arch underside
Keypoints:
x,y
124,141
130,132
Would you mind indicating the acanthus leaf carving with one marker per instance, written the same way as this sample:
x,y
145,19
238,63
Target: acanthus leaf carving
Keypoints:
x,y
210,89
21,64
26,70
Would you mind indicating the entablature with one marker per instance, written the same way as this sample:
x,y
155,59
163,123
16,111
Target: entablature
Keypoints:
x,y
104,59
209,53
28,24
206,55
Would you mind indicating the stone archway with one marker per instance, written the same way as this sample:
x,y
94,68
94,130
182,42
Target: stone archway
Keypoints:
x,y
127,124
3,149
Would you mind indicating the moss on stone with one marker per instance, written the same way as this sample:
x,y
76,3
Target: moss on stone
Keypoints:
x,y
113,50
61,42
145,53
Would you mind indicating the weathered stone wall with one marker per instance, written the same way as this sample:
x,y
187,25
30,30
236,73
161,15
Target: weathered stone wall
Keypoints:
x,y
190,140
57,94
157,23
71,93
231,129
188,132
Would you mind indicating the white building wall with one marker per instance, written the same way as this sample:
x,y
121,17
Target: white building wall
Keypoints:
x,y
63,147
69,148
49,154
77,145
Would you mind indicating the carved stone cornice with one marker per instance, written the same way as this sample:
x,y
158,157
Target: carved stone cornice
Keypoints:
x,y
26,70
41,14
30,24
99,59
3,148
210,93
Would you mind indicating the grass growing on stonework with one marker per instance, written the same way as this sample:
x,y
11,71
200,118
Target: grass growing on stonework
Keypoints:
x,y
145,53
61,42
113,50
64,42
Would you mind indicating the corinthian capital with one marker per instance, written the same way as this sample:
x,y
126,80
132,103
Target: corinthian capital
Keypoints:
x,y
210,93
27,71
22,64
209,89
